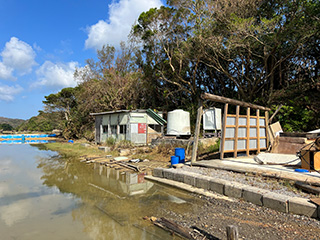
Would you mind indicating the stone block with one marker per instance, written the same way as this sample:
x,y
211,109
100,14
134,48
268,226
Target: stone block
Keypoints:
x,y
189,179
179,177
302,206
202,182
233,189
217,185
105,149
253,194
275,201
158,172
168,173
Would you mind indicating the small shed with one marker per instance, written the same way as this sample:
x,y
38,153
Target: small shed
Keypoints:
x,y
138,126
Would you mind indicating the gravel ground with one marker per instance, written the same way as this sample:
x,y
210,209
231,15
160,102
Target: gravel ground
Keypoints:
x,y
275,185
208,218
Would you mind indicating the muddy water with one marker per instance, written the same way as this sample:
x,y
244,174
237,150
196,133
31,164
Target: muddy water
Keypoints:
x,y
45,196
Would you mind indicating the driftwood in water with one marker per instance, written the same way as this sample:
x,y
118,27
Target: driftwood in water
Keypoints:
x,y
172,227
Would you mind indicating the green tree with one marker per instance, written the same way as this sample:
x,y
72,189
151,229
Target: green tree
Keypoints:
x,y
6,127
246,49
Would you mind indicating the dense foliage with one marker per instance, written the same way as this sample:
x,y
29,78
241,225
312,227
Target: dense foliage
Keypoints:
x,y
264,52
44,122
6,127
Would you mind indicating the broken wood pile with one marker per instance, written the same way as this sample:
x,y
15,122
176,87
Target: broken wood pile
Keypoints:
x,y
183,232
171,227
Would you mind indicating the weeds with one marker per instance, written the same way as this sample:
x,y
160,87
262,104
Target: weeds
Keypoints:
x,y
110,142
124,144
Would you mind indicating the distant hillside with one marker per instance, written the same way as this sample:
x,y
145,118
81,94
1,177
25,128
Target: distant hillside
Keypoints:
x,y
12,121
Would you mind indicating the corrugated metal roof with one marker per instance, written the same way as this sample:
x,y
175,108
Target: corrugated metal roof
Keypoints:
x,y
156,117
150,112
119,111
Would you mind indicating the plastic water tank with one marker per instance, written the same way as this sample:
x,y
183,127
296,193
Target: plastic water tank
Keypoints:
x,y
178,123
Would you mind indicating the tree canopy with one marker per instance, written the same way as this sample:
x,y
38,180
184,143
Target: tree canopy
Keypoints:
x,y
263,52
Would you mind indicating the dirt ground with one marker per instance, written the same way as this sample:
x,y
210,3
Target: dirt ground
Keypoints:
x,y
209,218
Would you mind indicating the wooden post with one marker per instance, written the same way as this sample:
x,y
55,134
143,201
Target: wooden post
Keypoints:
x,y
223,139
258,131
266,114
235,153
196,134
248,132
275,113
232,232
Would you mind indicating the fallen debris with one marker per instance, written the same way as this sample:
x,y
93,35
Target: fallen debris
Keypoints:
x,y
307,187
277,159
170,226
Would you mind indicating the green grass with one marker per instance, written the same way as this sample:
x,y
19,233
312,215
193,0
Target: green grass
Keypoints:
x,y
73,149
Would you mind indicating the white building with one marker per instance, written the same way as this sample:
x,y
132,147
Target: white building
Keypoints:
x,y
138,126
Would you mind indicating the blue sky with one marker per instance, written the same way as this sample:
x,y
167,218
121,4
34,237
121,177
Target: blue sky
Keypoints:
x,y
43,42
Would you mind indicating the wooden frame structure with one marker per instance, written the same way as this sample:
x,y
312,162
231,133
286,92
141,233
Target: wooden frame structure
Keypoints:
x,y
240,133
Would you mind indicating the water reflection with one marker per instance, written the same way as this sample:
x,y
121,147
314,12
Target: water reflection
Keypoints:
x,y
42,192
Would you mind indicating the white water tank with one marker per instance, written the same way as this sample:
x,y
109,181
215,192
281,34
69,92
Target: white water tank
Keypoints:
x,y
178,123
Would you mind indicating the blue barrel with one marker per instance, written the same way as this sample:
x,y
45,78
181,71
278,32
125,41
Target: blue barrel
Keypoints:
x,y
174,160
180,152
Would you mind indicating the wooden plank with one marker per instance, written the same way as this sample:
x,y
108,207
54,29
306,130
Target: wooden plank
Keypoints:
x,y
236,132
299,134
315,200
258,131
197,132
248,132
243,150
222,144
225,100
266,115
244,138
307,187
172,227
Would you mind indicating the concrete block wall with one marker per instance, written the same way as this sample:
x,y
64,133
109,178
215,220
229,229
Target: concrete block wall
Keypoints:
x,y
258,196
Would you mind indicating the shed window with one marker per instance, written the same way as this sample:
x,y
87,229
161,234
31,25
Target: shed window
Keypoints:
x,y
113,129
123,129
105,129
155,127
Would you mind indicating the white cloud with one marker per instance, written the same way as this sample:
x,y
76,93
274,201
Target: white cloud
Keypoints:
x,y
56,76
122,16
19,56
6,72
7,93
15,212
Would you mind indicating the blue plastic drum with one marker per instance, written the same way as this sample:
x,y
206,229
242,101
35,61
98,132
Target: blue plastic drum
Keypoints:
x,y
180,152
174,160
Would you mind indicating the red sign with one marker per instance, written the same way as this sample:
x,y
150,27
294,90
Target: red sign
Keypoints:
x,y
142,128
